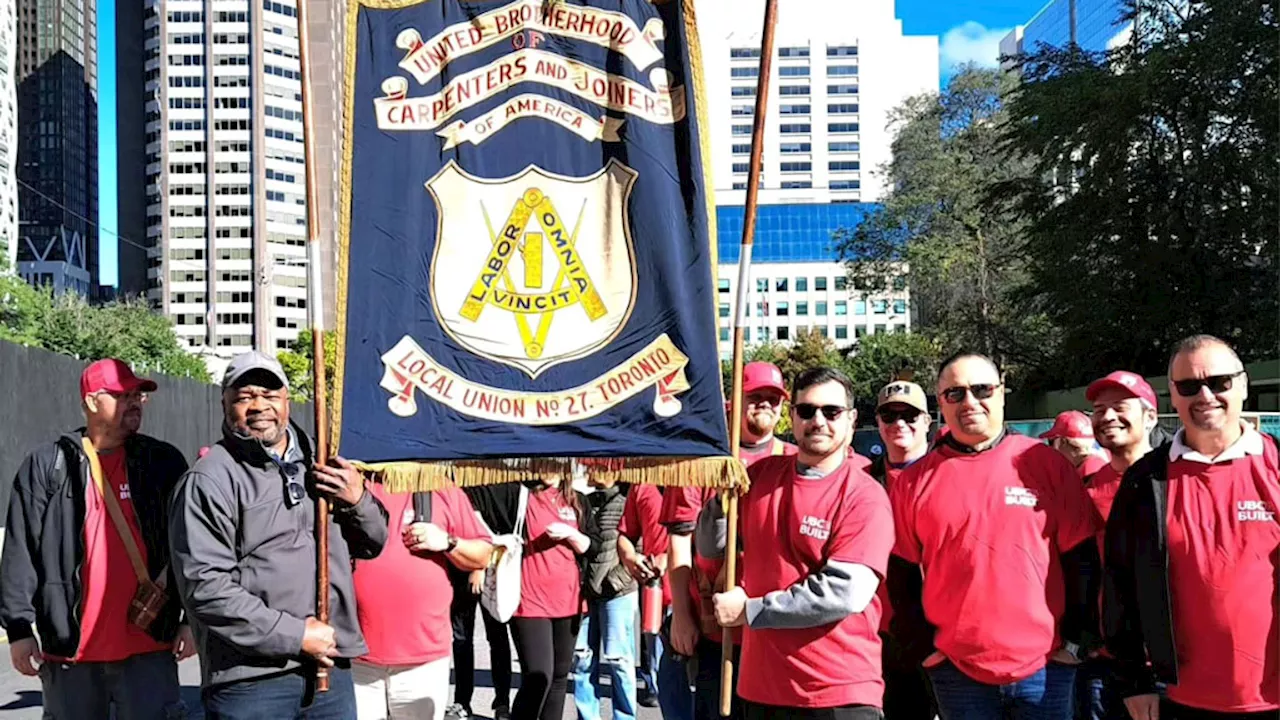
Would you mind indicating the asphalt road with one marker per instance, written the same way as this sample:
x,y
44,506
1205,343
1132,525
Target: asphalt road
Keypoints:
x,y
20,697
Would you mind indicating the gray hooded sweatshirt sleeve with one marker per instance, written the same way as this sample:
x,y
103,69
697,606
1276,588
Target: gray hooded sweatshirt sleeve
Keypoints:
x,y
830,594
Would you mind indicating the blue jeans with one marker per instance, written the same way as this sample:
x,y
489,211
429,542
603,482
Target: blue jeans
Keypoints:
x,y
289,696
143,687
675,696
1045,695
607,637
1096,697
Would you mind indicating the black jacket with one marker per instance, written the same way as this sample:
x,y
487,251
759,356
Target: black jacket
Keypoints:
x,y
44,537
1137,602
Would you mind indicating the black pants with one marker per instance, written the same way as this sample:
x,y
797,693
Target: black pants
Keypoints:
x,y
756,711
1174,711
545,648
462,614
907,694
706,682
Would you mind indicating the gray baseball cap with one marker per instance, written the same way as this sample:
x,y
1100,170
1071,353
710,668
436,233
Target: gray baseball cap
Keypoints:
x,y
249,362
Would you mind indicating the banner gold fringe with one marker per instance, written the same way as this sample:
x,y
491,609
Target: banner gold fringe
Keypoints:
x,y
722,473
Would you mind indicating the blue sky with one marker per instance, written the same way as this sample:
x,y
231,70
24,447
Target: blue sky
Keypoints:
x,y
967,31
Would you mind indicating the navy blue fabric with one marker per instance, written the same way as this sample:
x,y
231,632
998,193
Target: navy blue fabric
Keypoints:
x,y
394,222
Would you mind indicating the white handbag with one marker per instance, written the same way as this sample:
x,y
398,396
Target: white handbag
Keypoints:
x,y
501,593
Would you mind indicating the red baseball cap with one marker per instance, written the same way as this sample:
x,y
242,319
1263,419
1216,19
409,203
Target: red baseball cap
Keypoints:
x,y
1131,383
762,376
114,376
1070,424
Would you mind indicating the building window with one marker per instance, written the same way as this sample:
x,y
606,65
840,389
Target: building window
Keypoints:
x,y
900,282
842,70
740,186
842,332
794,109
741,129
782,309
842,51
881,329
820,308
842,308
802,284
743,111
793,52
797,167
744,72
762,284
724,334
793,71
724,310
780,285
842,108
842,127
795,129
859,331
859,307
844,165
784,333
790,90
744,167
820,284
794,148
844,184
842,283
741,149
842,89
899,307
802,308
843,147
723,285
744,52
743,92
822,330
899,329
797,185
880,307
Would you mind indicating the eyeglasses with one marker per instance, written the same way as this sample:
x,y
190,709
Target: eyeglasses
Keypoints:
x,y
1217,384
889,416
981,391
830,412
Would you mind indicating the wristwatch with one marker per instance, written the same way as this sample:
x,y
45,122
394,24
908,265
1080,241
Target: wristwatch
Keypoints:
x,y
453,543
1072,649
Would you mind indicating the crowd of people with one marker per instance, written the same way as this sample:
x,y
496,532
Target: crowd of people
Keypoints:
x,y
1102,571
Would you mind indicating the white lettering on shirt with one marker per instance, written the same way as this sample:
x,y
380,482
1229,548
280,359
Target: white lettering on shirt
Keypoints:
x,y
1020,496
1255,511
816,528
124,492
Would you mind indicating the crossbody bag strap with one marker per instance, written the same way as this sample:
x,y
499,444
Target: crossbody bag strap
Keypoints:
x,y
522,507
117,515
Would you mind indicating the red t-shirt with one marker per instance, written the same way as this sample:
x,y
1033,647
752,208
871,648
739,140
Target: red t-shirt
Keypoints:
x,y
640,522
683,505
987,529
1102,492
1094,463
549,577
400,631
107,579
791,527
1224,557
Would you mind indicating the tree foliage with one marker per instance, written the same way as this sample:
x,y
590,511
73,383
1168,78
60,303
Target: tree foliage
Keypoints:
x,y
67,324
962,253
297,366
1151,212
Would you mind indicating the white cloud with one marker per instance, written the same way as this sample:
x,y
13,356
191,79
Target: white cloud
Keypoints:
x,y
970,42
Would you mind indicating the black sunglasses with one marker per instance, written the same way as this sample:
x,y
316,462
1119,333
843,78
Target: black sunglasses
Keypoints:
x,y
889,416
1216,383
830,412
981,391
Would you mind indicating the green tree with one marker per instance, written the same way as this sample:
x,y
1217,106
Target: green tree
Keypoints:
x,y
297,366
962,253
67,324
877,359
1151,212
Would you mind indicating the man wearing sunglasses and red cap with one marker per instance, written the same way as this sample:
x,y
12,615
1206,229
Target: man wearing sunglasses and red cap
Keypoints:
x,y
694,631
995,560
1072,435
87,532
1193,552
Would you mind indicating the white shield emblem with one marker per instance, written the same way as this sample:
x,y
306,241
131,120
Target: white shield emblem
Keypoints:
x,y
535,269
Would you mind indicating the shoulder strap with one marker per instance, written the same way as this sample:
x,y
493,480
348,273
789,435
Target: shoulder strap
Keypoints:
x,y
117,515
521,508
422,507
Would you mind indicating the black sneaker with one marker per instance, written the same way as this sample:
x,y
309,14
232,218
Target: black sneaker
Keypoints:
x,y
501,714
648,699
457,712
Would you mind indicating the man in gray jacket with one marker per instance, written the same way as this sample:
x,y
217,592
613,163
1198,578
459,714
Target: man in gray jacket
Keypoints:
x,y
242,529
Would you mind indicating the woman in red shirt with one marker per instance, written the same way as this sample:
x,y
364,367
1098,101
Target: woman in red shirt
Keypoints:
x,y
545,626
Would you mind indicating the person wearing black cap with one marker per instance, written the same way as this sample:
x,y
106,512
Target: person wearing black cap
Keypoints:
x,y
86,540
242,529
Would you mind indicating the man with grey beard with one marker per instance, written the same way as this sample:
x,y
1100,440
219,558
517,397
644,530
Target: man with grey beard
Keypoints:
x,y
242,528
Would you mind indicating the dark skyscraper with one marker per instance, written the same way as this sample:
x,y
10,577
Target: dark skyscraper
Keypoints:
x,y
132,95
57,166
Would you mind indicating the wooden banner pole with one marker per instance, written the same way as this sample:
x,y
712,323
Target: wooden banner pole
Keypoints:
x,y
739,325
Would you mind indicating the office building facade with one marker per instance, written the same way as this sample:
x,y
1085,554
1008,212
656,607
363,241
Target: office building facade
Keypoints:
x,y
57,143
8,138
1094,25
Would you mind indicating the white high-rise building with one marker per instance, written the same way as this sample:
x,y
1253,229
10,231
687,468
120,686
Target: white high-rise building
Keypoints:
x,y
8,139
226,186
840,68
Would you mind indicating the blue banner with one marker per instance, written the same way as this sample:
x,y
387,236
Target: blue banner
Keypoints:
x,y
526,263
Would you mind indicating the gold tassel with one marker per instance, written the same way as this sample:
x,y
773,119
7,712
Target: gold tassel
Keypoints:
x,y
721,473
